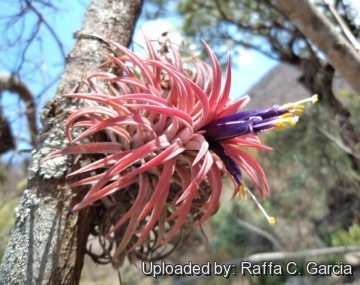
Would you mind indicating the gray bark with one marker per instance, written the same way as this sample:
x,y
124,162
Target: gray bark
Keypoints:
x,y
48,241
341,55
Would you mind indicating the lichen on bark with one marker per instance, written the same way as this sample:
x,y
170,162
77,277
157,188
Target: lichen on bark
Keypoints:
x,y
48,241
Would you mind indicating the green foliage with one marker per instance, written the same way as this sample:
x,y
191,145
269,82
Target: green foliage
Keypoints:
x,y
342,237
7,219
2,176
347,237
229,237
352,102
307,161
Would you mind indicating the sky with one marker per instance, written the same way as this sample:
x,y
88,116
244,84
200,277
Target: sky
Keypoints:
x,y
45,62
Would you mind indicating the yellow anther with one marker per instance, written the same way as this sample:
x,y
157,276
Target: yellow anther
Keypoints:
x,y
295,108
314,98
287,115
298,106
242,192
293,120
272,221
298,112
279,126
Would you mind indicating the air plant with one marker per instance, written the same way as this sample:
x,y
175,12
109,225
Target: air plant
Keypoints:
x,y
161,136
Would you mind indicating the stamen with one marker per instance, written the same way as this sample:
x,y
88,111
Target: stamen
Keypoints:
x,y
278,123
298,104
270,219
295,108
297,112
242,192
280,126
287,115
293,120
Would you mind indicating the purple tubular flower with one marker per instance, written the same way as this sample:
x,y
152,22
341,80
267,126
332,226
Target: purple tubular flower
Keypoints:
x,y
229,163
244,115
254,121
241,123
231,129
245,123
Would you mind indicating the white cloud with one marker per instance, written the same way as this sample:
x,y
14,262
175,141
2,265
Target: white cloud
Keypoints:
x,y
246,57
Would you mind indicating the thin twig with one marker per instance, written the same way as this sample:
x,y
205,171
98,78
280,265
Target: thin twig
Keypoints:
x,y
49,27
339,143
261,232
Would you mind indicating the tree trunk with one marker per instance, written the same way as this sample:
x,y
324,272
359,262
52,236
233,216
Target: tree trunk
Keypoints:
x,y
48,241
341,55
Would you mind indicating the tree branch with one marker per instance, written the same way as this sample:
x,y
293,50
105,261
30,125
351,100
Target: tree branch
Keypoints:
x,y
48,26
48,241
341,55
343,25
12,83
260,232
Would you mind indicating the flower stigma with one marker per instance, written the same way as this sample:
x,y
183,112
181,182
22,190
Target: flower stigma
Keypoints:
x,y
297,107
242,196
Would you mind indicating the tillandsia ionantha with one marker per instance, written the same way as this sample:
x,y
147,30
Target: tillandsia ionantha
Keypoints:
x,y
168,135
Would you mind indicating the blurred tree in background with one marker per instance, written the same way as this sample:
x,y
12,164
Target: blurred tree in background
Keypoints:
x,y
260,25
314,170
